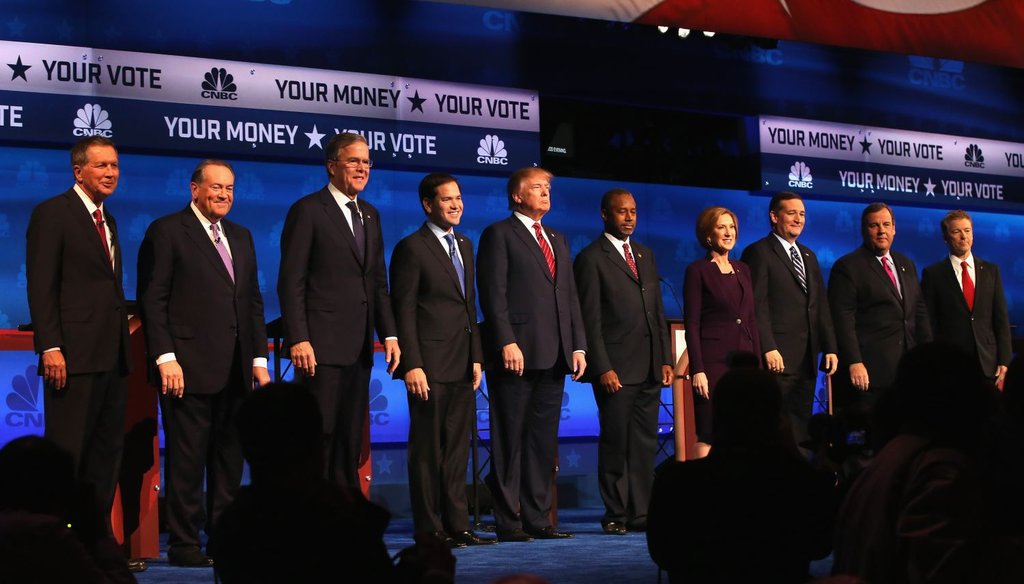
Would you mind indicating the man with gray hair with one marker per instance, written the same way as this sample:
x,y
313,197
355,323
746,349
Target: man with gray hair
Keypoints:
x,y
203,317
333,289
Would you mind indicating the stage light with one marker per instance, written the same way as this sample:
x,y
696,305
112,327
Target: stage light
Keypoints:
x,y
709,34
684,32
662,29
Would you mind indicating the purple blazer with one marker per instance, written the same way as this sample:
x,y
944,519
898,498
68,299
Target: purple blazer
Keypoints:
x,y
719,316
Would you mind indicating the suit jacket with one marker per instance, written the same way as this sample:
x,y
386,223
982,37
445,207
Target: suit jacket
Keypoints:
x,y
623,315
715,326
796,323
75,296
986,330
521,302
874,326
329,296
436,323
192,308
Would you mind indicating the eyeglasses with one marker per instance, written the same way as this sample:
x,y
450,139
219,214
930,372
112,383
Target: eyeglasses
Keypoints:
x,y
355,162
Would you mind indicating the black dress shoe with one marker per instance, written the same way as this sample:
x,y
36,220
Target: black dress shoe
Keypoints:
x,y
640,525
514,535
188,556
137,565
549,533
451,542
613,527
470,538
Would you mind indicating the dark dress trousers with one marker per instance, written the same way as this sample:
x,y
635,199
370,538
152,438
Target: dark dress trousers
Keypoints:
x,y
874,324
626,330
77,304
985,331
718,310
523,304
439,330
335,299
215,328
795,322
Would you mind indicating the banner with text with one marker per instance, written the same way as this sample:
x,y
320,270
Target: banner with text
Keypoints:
x,y
829,160
141,100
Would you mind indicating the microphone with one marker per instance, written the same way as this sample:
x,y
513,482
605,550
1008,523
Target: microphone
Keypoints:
x,y
675,296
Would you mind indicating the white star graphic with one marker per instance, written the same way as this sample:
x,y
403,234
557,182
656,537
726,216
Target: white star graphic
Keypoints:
x,y
314,138
384,465
929,188
573,458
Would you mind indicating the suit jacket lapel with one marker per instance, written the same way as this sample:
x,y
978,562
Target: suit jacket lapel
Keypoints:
x,y
115,243
435,248
529,238
194,230
983,282
466,249
875,266
618,260
783,255
87,225
336,217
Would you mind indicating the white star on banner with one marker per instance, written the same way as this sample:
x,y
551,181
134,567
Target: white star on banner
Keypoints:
x,y
314,138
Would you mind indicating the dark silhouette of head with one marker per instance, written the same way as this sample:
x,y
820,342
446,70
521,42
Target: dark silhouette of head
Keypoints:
x,y
940,392
36,476
281,431
747,410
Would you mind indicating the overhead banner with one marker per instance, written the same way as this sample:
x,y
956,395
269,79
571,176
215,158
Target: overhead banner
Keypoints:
x,y
971,30
829,160
224,108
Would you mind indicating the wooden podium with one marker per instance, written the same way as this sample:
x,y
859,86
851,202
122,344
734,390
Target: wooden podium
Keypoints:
x,y
684,427
133,515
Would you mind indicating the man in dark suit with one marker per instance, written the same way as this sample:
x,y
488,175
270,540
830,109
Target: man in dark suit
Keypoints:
x,y
966,301
435,310
333,289
533,337
79,316
630,360
203,316
878,311
793,318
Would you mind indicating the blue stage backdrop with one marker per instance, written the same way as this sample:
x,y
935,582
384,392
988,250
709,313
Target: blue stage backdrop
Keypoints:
x,y
152,186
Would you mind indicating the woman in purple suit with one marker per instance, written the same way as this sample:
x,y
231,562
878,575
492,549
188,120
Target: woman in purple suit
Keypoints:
x,y
718,307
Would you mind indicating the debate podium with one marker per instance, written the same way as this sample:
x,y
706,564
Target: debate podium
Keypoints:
x,y
133,515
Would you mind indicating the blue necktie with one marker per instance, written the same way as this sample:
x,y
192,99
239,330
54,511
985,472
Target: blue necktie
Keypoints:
x,y
460,271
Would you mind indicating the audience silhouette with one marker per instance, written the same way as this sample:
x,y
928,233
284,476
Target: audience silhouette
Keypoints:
x,y
916,512
291,525
753,510
52,528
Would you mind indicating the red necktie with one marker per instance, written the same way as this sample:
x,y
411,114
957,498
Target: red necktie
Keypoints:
x,y
545,249
968,286
629,260
892,276
98,216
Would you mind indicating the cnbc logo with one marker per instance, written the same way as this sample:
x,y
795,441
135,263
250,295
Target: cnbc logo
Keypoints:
x,y
219,84
973,158
378,404
23,401
92,120
936,73
492,151
800,176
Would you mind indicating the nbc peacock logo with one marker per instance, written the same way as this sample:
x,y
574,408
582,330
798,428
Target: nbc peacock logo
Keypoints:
x,y
800,176
492,151
219,84
92,120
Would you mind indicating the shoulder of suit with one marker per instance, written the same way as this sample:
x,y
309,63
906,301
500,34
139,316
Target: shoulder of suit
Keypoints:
x,y
238,227
365,206
463,238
